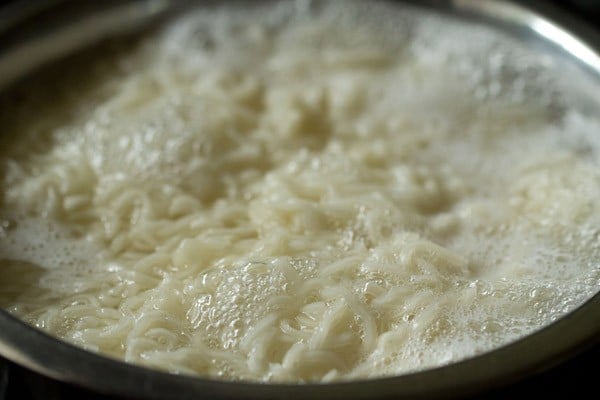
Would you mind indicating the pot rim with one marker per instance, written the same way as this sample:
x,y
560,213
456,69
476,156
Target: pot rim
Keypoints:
x,y
572,333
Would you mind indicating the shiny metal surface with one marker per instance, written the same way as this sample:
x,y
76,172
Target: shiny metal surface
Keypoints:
x,y
61,27
46,30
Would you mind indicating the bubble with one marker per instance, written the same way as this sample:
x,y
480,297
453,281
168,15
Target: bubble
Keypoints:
x,y
46,244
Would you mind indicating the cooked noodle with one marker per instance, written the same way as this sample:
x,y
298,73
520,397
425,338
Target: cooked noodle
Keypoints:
x,y
300,193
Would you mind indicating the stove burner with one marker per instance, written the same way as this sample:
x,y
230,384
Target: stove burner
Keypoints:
x,y
3,379
17,383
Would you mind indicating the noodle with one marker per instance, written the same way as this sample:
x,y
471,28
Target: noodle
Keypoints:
x,y
299,193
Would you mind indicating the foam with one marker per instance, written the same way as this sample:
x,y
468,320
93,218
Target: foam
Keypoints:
x,y
46,244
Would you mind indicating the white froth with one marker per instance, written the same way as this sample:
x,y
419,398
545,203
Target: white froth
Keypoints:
x,y
48,245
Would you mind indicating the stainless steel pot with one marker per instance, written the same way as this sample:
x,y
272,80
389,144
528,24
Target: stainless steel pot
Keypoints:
x,y
32,34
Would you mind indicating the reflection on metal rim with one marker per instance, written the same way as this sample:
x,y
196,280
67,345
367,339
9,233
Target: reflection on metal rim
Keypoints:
x,y
514,14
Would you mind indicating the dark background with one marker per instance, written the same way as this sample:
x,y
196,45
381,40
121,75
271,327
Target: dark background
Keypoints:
x,y
574,379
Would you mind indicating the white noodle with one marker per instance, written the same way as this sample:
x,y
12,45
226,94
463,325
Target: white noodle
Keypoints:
x,y
300,193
